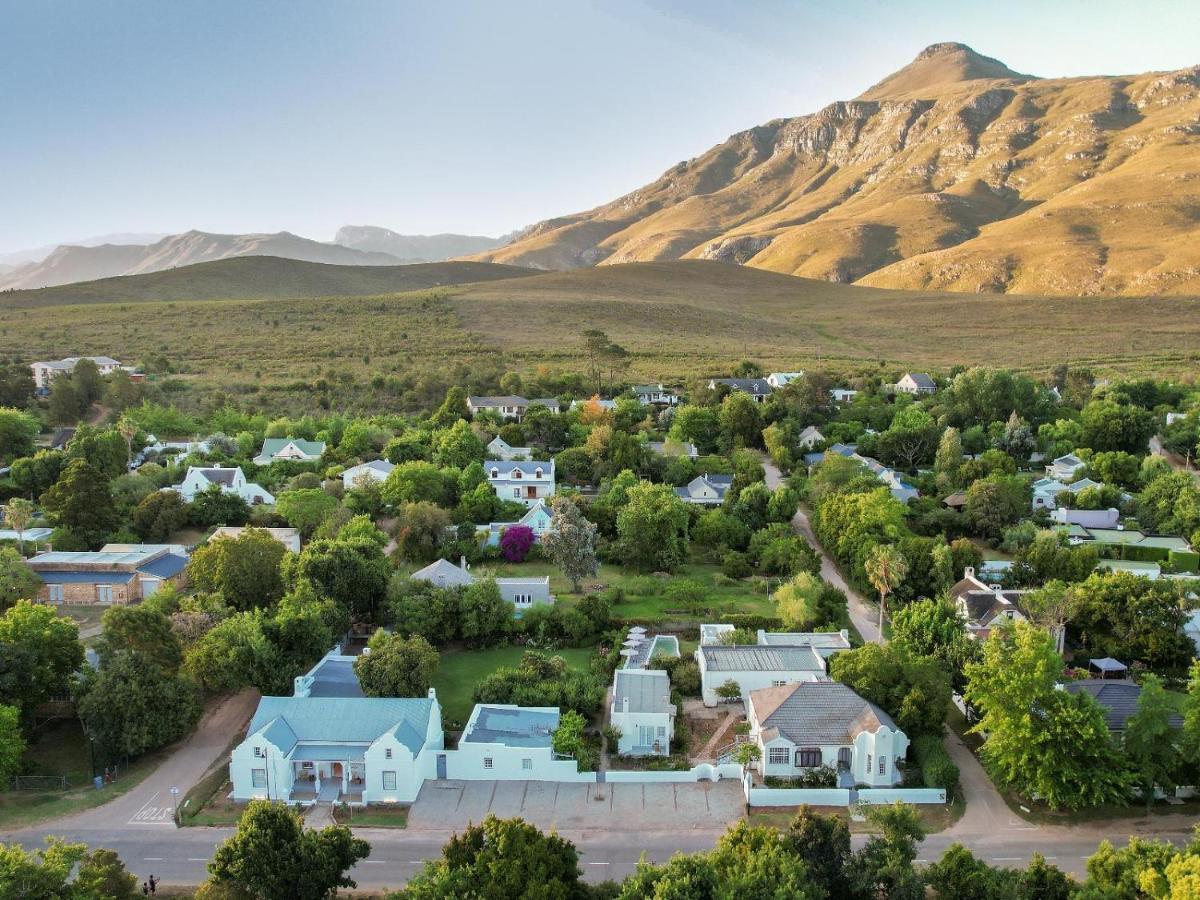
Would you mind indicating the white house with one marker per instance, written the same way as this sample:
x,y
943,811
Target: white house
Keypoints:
x,y
510,406
520,592
982,606
377,471
757,388
1046,491
642,710
753,667
289,449
1064,468
526,482
329,743
706,490
539,519
900,489
498,448
916,383
654,394
1086,518
502,742
809,724
606,405
779,380
289,537
45,371
230,479
842,395
810,437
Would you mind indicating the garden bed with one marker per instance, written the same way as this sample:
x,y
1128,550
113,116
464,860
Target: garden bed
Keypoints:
x,y
383,815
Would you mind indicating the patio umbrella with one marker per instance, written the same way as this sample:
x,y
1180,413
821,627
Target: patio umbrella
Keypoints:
x,y
628,652
637,629
632,643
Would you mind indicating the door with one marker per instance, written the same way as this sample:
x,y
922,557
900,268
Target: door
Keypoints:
x,y
441,766
645,735
844,758
336,773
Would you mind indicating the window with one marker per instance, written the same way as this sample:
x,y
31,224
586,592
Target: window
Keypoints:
x,y
487,762
258,778
883,765
516,474
537,473
778,683
868,763
517,492
387,754
260,752
662,731
778,756
808,757
389,781
495,473
56,592
527,764
104,593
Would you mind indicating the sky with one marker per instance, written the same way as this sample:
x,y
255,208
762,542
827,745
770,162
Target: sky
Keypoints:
x,y
472,117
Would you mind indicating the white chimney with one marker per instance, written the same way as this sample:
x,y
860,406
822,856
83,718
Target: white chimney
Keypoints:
x,y
969,572
462,563
624,704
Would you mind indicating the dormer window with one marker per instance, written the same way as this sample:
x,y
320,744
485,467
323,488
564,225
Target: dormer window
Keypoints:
x,y
517,473
495,473
538,473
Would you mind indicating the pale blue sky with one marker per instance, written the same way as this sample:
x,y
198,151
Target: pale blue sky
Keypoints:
x,y
256,115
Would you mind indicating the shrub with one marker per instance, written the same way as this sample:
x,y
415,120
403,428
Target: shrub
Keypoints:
x,y
735,565
936,765
516,542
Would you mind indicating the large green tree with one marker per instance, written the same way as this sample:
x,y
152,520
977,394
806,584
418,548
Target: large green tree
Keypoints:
x,y
652,529
354,574
81,502
272,856
934,629
17,431
571,542
48,643
245,569
305,509
913,690
1151,741
12,743
159,515
17,580
396,666
140,629
1132,618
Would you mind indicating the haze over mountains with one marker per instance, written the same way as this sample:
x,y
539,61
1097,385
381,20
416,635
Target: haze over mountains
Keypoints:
x,y
353,246
954,173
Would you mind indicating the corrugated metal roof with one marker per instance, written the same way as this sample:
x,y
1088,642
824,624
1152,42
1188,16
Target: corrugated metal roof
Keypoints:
x,y
648,690
521,726
54,576
334,678
334,752
762,659
354,720
167,566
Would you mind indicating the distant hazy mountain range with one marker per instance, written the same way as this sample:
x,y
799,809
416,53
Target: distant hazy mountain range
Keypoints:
x,y
142,254
954,173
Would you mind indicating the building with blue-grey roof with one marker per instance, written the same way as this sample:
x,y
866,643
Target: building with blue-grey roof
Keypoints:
x,y
502,742
116,573
328,742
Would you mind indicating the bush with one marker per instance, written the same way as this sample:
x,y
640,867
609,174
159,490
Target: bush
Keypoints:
x,y
936,765
820,777
1184,561
684,672
735,565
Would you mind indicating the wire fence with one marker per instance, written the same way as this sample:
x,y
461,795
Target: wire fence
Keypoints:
x,y
42,783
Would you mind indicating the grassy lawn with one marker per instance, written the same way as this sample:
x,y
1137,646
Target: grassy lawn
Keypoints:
x,y
644,594
374,816
934,817
461,670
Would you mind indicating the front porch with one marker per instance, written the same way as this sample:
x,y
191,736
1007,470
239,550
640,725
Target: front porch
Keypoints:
x,y
320,778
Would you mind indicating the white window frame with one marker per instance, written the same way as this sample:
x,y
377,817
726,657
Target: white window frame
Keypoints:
x,y
387,753
883,765
487,762
258,778
388,776
260,753
778,756
527,764
104,593
56,593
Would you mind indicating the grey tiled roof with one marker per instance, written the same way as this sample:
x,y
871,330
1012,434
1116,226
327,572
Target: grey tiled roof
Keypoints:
x,y
648,690
761,659
817,712
1119,699
921,379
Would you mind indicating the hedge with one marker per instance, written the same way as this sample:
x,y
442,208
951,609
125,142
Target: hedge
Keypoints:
x,y
1184,561
936,765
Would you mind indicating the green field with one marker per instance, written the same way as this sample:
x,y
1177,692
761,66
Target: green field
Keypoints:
x,y
460,671
678,320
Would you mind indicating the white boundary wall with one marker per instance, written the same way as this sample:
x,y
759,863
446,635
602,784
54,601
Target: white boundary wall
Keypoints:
x,y
870,796
761,796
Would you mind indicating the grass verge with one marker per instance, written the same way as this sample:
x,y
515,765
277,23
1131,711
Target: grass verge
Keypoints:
x,y
22,809
374,816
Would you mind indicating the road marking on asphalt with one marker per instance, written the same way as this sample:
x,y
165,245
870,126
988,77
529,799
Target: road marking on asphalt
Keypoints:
x,y
152,858
1006,859
153,815
597,864
197,859
373,862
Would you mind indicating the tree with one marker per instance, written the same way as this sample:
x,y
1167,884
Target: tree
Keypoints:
x,y
17,431
884,866
1108,425
1151,742
232,654
885,568
806,603
934,629
453,408
214,506
272,856
131,706
12,743
420,529
913,690
595,349
18,513
143,630
416,482
823,842
245,569
103,876
396,666
485,616
995,502
457,446
697,425
567,738
570,542
747,753
46,874
17,580
1131,617
81,502
65,408
159,515
1017,438
49,643
740,421
949,457
1191,718
306,509
1040,740
516,542
354,574
512,858
652,528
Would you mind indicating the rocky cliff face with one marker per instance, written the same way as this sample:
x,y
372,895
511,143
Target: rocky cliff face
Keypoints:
x,y
954,173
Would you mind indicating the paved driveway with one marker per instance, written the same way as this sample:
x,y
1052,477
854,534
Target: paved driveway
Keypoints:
x,y
449,805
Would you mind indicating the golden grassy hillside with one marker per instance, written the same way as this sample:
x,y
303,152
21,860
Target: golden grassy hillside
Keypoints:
x,y
955,173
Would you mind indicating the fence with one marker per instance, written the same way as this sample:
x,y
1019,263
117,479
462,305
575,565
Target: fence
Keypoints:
x,y
758,796
702,772
40,783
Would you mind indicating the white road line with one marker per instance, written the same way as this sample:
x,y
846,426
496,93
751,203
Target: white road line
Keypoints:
x,y
197,859
152,858
1006,859
416,862
597,864
373,862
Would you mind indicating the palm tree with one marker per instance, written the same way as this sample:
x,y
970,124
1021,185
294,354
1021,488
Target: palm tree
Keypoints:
x,y
128,430
886,568
19,513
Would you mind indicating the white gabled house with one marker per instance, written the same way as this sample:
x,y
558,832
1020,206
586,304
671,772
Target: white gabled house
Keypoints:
x,y
376,471
1064,468
643,712
809,724
1046,491
231,480
539,519
758,388
520,592
776,658
779,380
525,482
503,742
706,490
810,437
916,383
510,406
655,394
290,450
289,537
842,395
498,448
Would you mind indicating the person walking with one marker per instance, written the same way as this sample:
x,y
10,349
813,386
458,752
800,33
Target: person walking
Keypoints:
x,y
145,889
153,884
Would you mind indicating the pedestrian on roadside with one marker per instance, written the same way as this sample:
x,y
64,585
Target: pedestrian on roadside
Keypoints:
x,y
153,884
145,889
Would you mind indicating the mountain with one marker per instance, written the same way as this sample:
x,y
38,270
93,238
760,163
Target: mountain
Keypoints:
x,y
15,258
261,277
415,247
69,264
954,173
